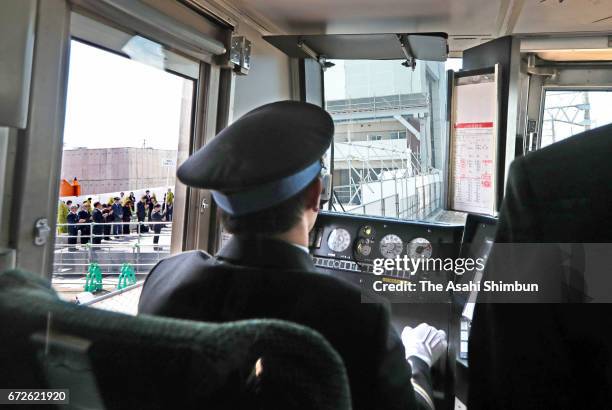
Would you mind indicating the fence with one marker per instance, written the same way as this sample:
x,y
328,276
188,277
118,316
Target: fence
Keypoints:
x,y
421,205
122,301
74,253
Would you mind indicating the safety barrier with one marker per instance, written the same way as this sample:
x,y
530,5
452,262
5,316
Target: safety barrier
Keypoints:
x,y
111,253
127,276
124,300
425,202
93,280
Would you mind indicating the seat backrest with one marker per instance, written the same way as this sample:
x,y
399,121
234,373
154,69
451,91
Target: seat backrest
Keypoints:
x,y
152,362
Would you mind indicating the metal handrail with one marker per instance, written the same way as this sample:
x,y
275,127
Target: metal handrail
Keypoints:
x,y
381,201
90,252
415,208
107,264
112,294
92,224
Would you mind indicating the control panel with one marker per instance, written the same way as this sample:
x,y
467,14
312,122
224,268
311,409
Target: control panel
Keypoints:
x,y
352,243
347,246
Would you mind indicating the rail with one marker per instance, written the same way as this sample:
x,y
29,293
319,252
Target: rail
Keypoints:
x,y
421,205
75,252
112,294
121,300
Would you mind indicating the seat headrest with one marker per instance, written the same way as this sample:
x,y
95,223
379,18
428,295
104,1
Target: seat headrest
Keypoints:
x,y
17,280
148,361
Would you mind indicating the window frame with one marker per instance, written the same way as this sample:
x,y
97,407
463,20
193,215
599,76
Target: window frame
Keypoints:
x,y
102,36
37,150
576,88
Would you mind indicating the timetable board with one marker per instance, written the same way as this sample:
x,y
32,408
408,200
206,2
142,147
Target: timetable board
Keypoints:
x,y
474,142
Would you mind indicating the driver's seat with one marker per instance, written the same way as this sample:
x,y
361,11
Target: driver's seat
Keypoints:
x,y
112,360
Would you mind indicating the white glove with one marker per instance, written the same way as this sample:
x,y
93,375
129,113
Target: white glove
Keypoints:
x,y
425,342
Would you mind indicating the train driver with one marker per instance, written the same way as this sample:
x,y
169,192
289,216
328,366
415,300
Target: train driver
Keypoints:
x,y
264,174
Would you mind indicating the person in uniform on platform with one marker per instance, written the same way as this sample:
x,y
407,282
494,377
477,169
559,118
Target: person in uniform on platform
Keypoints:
x,y
157,216
84,220
98,228
141,213
169,204
127,216
132,199
117,216
72,219
107,213
264,174
148,203
152,203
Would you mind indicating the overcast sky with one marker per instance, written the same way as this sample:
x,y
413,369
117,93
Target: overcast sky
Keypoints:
x,y
116,102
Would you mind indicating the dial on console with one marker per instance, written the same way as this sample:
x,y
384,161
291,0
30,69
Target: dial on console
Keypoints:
x,y
391,246
339,240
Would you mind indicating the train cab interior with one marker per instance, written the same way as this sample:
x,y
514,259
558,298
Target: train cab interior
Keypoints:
x,y
431,102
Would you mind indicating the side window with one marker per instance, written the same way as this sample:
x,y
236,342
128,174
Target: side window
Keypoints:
x,y
124,121
570,112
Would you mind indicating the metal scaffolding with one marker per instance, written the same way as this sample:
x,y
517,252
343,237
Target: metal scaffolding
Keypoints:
x,y
384,166
567,108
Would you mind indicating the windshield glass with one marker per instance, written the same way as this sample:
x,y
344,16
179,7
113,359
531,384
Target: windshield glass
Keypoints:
x,y
390,140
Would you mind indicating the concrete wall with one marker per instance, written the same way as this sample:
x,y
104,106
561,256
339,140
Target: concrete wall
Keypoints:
x,y
269,78
118,169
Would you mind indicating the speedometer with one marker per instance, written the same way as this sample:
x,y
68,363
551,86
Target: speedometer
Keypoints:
x,y
419,248
391,246
339,240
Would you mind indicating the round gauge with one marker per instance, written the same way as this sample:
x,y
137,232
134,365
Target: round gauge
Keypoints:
x,y
339,240
419,248
391,246
364,247
366,231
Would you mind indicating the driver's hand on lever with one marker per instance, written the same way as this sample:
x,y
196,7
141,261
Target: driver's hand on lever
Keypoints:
x,y
423,345
425,342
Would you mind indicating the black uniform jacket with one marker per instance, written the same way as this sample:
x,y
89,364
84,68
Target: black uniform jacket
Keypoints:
x,y
72,220
264,278
98,219
157,217
140,210
85,215
549,356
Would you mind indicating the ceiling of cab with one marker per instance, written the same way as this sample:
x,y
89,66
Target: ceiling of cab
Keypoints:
x,y
467,22
551,16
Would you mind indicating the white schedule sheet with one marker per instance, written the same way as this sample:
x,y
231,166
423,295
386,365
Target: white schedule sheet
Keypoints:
x,y
474,145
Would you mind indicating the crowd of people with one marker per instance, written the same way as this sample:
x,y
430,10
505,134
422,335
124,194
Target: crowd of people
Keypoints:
x,y
112,219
